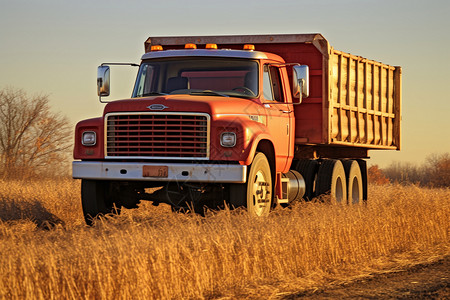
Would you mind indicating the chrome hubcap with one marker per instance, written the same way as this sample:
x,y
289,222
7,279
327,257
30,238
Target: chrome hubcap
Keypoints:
x,y
261,193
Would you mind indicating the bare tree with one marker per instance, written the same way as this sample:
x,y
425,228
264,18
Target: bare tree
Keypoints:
x,y
437,168
33,139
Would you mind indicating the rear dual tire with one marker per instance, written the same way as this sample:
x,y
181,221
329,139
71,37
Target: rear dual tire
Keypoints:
x,y
308,169
331,180
342,180
354,182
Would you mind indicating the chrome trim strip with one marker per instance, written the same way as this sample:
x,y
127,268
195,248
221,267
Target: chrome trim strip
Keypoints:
x,y
208,135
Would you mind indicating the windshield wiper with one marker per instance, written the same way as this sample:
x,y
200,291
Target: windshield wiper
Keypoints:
x,y
208,92
153,94
243,96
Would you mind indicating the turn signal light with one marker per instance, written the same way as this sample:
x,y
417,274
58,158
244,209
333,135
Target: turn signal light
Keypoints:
x,y
156,48
211,46
249,47
190,46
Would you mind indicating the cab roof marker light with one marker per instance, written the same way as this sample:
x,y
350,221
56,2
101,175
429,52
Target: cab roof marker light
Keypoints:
x,y
190,46
211,46
249,47
156,48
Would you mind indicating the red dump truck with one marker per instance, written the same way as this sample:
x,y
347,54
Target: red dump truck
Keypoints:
x,y
247,121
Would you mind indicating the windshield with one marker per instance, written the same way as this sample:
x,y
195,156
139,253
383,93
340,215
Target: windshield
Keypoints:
x,y
198,76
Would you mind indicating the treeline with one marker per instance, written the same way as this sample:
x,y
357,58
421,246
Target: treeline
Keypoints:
x,y
434,172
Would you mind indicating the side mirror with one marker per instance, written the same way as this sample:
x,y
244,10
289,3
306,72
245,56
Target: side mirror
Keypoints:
x,y
300,85
103,81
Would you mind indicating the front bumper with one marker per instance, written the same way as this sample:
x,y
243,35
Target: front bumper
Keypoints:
x,y
199,172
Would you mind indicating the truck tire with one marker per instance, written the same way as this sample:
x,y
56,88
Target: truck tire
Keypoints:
x,y
257,193
95,201
238,195
308,169
363,168
331,180
354,181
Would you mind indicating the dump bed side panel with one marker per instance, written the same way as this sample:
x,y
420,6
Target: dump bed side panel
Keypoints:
x,y
353,101
364,102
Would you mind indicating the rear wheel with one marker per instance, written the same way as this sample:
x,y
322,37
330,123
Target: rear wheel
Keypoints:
x,y
331,180
308,169
354,182
363,168
96,199
256,193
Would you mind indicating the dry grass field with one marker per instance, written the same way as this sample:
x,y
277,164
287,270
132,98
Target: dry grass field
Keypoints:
x,y
47,252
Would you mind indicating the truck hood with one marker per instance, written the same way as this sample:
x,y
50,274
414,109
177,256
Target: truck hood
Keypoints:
x,y
213,105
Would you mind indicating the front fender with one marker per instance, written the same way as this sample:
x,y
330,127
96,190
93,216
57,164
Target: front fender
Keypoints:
x,y
255,134
89,152
250,151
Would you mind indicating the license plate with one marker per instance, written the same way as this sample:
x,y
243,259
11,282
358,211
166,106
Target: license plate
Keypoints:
x,y
155,171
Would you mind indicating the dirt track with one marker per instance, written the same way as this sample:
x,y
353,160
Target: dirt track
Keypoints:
x,y
426,281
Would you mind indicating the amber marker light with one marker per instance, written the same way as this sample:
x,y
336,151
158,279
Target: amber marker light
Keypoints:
x,y
249,47
190,46
211,46
156,48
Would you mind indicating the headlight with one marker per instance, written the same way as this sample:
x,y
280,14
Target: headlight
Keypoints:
x,y
89,138
228,139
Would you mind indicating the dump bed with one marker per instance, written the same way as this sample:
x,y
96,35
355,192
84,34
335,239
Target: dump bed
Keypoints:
x,y
353,101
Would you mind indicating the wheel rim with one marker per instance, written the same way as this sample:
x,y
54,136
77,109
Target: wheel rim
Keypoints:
x,y
354,192
260,194
339,193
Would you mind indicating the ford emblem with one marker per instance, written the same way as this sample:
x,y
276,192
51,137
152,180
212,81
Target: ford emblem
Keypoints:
x,y
157,107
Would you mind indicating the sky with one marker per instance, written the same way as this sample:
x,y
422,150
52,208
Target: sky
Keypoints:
x,y
53,47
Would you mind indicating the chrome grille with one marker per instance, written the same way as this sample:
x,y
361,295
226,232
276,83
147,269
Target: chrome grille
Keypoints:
x,y
157,135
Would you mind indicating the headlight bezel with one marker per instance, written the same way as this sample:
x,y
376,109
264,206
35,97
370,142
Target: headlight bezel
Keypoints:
x,y
89,138
228,139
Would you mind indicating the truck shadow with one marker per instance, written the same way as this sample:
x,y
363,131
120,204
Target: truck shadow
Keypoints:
x,y
12,210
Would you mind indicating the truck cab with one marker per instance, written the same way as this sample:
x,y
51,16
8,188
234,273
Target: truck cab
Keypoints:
x,y
196,120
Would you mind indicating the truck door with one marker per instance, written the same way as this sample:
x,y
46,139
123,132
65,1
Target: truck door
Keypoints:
x,y
279,114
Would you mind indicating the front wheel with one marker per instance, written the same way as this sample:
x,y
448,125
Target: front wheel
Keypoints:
x,y
96,199
256,193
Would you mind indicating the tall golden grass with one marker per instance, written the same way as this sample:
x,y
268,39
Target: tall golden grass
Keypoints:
x,y
46,251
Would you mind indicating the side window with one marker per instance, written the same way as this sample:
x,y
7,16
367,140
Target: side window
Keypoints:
x,y
272,89
146,82
149,80
267,85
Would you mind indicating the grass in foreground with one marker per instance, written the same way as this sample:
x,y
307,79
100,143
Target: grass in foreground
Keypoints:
x,y
47,251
